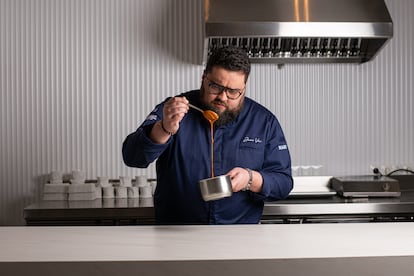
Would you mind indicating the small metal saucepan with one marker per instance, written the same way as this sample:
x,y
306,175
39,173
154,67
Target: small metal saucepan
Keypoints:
x,y
216,187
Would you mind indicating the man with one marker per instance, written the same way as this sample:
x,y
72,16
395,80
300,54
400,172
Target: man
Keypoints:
x,y
249,146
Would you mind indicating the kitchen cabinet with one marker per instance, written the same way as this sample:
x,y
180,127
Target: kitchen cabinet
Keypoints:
x,y
107,211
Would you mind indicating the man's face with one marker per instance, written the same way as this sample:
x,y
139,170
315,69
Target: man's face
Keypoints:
x,y
226,103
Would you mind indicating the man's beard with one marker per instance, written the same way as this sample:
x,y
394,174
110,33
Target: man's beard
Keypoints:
x,y
226,116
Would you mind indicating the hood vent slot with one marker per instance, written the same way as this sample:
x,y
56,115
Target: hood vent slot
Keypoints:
x,y
282,36
263,49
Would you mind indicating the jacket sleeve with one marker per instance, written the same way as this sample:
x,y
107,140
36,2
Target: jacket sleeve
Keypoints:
x,y
276,170
138,150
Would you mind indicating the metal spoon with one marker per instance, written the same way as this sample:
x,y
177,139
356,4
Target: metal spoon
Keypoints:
x,y
211,116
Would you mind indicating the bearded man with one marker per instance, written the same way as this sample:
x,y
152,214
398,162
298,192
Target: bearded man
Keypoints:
x,y
249,146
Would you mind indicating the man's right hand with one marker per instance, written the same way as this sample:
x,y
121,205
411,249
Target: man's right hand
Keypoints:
x,y
174,111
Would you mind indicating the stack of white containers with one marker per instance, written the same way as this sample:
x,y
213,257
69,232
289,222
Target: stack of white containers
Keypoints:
x,y
145,191
78,189
98,190
106,189
145,188
55,189
121,191
132,191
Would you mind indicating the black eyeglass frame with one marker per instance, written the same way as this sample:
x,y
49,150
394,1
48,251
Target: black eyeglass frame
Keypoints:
x,y
231,93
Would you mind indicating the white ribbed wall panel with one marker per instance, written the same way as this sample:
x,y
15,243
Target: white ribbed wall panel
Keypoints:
x,y
76,76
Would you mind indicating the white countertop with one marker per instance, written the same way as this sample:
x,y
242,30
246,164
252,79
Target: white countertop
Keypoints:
x,y
230,242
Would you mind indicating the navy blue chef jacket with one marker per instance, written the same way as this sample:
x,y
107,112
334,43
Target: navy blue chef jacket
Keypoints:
x,y
254,140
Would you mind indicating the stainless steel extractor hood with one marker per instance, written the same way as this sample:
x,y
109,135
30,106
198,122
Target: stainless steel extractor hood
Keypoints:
x,y
298,31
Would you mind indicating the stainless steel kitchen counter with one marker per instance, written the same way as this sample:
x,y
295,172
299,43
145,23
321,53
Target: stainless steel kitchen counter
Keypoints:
x,y
340,209
292,210
331,208
336,208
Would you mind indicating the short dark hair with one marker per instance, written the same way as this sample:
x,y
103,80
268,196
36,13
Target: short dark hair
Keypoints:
x,y
230,58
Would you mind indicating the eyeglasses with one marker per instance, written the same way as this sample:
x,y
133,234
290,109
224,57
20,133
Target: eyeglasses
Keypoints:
x,y
217,89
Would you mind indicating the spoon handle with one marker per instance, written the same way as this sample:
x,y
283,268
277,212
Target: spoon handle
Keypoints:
x,y
195,107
